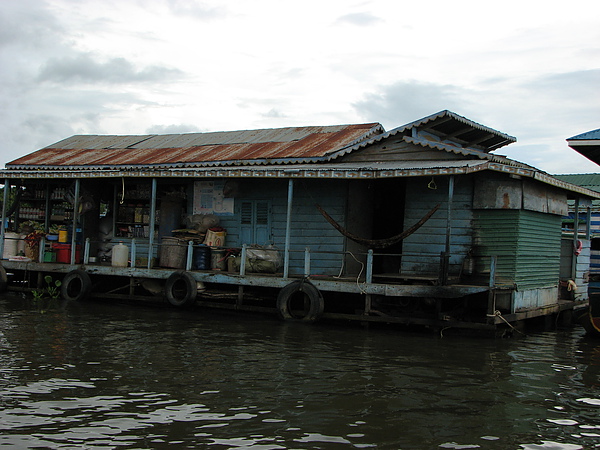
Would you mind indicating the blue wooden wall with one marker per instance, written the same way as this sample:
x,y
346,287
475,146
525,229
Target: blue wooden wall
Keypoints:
x,y
308,227
423,248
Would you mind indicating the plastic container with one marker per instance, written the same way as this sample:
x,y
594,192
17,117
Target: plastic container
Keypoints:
x,y
21,244
50,257
63,236
10,245
120,255
63,253
218,259
173,252
202,260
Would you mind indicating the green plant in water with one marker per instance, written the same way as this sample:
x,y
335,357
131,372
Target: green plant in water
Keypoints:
x,y
51,290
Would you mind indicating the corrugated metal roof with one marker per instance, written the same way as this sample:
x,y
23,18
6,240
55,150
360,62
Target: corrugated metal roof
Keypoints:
x,y
594,134
295,143
587,180
456,133
472,134
587,144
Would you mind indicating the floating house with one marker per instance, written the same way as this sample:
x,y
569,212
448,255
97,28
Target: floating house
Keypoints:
x,y
587,215
423,224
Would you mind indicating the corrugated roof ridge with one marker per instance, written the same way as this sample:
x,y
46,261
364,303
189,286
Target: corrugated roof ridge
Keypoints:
x,y
420,122
458,117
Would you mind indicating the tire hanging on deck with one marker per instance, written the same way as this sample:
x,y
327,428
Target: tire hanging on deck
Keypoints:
x,y
3,279
181,289
76,285
300,301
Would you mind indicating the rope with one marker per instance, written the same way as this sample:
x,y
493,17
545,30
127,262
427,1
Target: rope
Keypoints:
x,y
122,191
362,268
499,314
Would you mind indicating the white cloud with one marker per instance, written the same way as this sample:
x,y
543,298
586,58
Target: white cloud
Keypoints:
x,y
359,18
130,66
85,68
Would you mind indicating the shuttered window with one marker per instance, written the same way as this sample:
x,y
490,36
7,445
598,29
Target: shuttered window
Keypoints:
x,y
255,222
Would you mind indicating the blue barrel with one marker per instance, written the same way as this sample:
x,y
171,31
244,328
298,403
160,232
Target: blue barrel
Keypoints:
x,y
201,259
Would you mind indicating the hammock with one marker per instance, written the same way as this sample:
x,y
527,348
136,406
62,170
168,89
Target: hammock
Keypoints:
x,y
378,243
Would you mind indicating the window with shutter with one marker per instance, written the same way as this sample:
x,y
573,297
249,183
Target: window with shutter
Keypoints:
x,y
255,222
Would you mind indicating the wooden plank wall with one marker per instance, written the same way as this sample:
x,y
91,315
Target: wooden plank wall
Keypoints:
x,y
538,251
496,235
308,227
422,249
527,245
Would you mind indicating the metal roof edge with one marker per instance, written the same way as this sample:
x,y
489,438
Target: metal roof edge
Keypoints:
x,y
306,171
368,170
543,177
549,179
588,135
187,165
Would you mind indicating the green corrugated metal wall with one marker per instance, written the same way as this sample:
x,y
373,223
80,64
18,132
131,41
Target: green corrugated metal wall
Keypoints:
x,y
536,239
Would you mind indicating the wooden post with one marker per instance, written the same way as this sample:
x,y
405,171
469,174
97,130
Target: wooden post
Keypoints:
x,y
86,251
575,238
47,209
243,260
240,297
368,301
152,223
491,285
133,252
307,262
75,220
3,224
446,256
369,273
288,226
588,223
190,253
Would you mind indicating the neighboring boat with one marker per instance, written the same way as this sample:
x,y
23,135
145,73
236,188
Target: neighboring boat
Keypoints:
x,y
591,319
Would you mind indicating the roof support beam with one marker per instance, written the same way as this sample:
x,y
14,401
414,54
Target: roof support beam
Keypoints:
x,y
457,132
480,139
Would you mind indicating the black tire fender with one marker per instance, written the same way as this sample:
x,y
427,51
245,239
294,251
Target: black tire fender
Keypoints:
x,y
300,301
76,285
181,289
3,279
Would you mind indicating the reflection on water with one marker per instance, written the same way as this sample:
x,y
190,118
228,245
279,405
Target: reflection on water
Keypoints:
x,y
99,375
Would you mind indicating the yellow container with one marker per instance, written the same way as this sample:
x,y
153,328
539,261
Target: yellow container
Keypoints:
x,y
63,236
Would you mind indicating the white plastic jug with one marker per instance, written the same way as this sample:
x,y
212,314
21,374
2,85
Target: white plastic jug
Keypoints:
x,y
120,255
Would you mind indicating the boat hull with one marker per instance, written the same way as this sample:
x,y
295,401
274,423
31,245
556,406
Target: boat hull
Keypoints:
x,y
591,319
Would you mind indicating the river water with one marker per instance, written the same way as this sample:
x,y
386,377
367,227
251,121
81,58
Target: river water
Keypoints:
x,y
106,375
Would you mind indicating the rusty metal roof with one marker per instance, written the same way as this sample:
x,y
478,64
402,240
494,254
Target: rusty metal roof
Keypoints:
x,y
282,145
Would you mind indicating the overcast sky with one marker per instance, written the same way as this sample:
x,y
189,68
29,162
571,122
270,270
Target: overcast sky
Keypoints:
x,y
527,68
